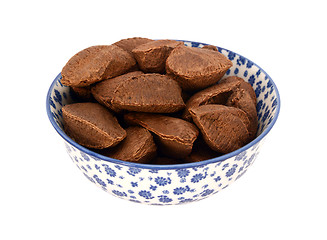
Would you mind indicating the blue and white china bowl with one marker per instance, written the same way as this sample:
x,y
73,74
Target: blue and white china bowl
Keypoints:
x,y
172,184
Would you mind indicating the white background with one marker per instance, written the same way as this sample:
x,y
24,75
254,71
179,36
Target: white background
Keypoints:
x,y
282,196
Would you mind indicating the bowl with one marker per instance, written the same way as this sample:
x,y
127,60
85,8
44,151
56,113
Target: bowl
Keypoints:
x,y
179,183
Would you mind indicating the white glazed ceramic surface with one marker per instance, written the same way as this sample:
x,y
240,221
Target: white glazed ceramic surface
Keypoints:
x,y
172,184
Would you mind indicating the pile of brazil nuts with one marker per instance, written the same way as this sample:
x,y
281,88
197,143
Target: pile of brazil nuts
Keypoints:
x,y
157,102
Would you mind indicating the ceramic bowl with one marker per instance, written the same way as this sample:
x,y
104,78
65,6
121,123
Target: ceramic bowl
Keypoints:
x,y
172,184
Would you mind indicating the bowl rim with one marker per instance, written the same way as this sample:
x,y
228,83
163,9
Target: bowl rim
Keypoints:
x,y
171,166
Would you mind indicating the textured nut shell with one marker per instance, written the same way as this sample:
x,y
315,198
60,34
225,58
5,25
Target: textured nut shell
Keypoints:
x,y
216,94
151,56
92,125
242,99
196,68
104,90
153,93
174,136
138,146
243,85
96,63
128,44
222,129
210,47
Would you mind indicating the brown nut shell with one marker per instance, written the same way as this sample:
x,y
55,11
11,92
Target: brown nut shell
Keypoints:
x,y
210,47
128,44
103,91
92,125
151,57
242,99
96,63
216,94
138,146
196,68
174,136
243,85
222,129
154,93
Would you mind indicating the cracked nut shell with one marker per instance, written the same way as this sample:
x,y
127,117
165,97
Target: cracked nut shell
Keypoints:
x,y
222,128
138,146
174,136
96,63
92,125
196,68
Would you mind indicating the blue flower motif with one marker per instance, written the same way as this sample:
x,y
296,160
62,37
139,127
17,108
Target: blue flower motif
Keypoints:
x,y
265,115
119,194
52,103
57,97
161,181
231,171
109,170
249,64
226,165
259,105
240,156
236,71
164,199
183,180
206,192
133,171
258,90
102,183
197,177
217,179
179,190
109,181
153,188
118,167
240,61
231,56
258,73
165,192
182,173
186,200
274,103
245,74
97,168
146,194
134,184
251,80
